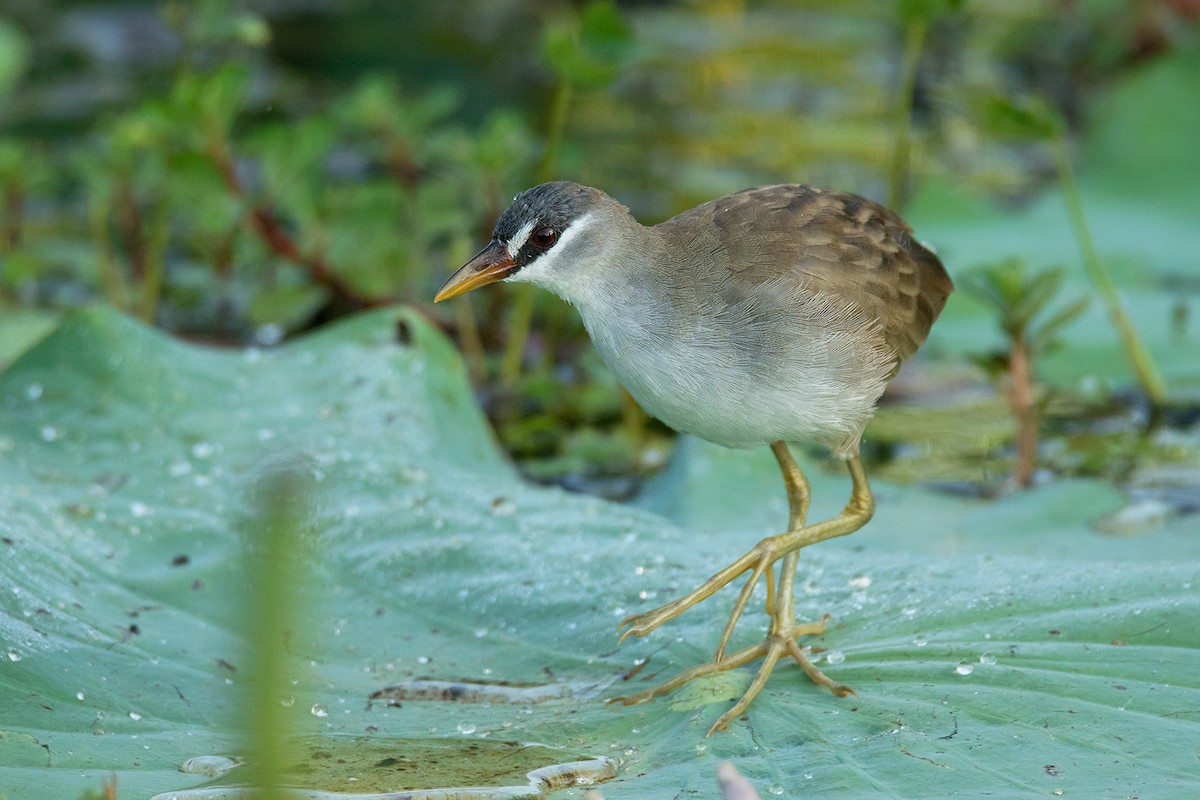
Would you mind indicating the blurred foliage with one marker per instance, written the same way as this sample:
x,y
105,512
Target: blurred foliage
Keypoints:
x,y
239,171
216,213
1021,303
1021,300
1033,118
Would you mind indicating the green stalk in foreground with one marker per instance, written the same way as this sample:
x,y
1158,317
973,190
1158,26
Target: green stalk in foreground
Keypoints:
x,y
1140,360
914,45
275,560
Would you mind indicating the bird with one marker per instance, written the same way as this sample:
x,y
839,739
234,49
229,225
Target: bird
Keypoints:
x,y
770,316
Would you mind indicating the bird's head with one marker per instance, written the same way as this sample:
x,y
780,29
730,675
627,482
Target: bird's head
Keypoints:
x,y
539,238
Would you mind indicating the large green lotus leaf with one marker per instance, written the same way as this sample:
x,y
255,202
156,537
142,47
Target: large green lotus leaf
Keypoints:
x,y
997,651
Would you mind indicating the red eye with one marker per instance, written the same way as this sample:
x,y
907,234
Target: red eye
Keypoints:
x,y
544,237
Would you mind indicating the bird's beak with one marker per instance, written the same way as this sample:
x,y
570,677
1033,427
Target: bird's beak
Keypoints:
x,y
491,264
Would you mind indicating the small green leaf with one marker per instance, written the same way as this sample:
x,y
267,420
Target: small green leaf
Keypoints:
x,y
287,306
14,54
1025,117
1018,299
204,106
588,51
1032,297
1044,334
603,31
926,11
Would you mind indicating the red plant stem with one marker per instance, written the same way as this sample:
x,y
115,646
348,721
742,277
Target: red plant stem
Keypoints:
x,y
13,208
400,163
1024,409
133,234
265,224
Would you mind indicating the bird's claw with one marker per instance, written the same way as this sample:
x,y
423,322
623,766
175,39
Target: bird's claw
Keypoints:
x,y
758,561
774,646
641,624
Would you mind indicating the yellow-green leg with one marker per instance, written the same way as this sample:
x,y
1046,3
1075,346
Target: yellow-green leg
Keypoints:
x,y
785,548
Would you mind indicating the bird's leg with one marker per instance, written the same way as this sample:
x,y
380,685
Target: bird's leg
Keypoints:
x,y
798,496
781,638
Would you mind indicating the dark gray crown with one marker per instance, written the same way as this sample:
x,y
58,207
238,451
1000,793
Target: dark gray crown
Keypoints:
x,y
556,204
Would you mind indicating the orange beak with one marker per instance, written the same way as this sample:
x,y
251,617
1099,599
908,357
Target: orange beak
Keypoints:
x,y
491,264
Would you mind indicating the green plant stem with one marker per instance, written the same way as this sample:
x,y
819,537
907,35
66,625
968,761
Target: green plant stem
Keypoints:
x,y
13,206
275,557
470,341
520,322
115,290
155,267
1140,361
914,45
560,105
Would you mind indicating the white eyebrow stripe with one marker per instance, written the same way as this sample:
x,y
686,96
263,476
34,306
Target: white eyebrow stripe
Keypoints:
x,y
549,269
519,238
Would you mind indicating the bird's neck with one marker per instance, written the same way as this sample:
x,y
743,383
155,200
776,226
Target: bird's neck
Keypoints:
x,y
612,274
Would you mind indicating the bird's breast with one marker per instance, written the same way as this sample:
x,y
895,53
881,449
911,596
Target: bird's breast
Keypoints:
x,y
746,373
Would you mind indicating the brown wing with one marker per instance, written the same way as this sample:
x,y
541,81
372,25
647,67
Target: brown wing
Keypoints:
x,y
836,243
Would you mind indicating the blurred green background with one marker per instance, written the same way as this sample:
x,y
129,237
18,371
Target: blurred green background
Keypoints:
x,y
238,173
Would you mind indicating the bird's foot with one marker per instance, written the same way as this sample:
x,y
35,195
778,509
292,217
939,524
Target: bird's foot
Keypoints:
x,y
758,561
776,645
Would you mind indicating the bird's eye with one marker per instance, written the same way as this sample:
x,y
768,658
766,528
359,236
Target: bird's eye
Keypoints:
x,y
544,237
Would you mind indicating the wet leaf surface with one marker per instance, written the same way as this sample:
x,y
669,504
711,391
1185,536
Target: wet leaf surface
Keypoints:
x,y
997,646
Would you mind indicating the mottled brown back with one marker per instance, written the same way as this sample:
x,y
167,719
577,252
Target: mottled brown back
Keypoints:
x,y
836,243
